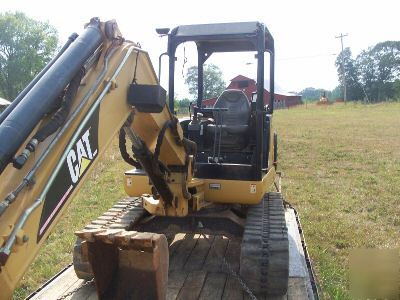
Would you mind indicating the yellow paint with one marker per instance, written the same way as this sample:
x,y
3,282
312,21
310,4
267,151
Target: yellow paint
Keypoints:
x,y
136,185
84,164
236,191
231,191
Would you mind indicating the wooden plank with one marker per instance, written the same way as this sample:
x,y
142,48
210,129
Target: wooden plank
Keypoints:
x,y
213,261
192,287
214,286
263,297
179,258
199,254
233,290
297,289
93,296
76,284
232,254
84,293
297,262
58,287
297,266
276,297
204,278
176,280
73,287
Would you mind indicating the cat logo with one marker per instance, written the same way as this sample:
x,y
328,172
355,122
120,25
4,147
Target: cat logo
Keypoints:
x,y
79,157
78,160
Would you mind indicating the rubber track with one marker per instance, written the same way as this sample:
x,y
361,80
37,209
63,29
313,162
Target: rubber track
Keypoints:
x,y
122,215
264,257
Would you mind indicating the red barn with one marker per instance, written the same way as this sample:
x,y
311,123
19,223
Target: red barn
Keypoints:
x,y
248,86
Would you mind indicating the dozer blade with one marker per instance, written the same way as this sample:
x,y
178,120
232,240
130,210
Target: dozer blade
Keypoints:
x,y
127,264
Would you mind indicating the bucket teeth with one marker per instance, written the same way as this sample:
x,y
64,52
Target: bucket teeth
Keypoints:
x,y
89,234
124,238
115,252
107,236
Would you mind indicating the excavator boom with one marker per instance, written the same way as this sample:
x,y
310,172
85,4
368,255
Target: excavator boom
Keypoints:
x,y
60,129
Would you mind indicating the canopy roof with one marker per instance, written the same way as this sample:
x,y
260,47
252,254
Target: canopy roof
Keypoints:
x,y
223,37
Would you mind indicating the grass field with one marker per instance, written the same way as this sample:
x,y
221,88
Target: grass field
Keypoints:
x,y
341,168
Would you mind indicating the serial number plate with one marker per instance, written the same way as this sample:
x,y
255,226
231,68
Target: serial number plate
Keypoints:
x,y
214,186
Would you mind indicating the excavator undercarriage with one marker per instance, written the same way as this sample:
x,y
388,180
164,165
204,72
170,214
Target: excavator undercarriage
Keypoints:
x,y
212,175
139,244
204,263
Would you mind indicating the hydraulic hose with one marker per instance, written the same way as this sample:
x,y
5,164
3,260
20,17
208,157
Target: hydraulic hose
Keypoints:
x,y
24,117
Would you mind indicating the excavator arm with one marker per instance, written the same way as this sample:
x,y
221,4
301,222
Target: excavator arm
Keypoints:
x,y
59,128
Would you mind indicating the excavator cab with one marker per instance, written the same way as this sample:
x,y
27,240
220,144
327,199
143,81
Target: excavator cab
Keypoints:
x,y
234,161
233,136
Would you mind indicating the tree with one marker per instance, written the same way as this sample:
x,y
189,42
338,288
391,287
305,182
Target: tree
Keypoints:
x,y
182,105
367,73
396,89
373,73
349,73
26,45
311,93
388,58
336,93
214,85
387,64
379,68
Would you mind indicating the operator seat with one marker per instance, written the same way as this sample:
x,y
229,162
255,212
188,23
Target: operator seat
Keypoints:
x,y
235,120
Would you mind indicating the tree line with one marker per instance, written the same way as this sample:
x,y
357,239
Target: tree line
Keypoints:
x,y
311,93
27,45
373,75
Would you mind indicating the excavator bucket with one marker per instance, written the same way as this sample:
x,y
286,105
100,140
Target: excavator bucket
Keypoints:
x,y
127,264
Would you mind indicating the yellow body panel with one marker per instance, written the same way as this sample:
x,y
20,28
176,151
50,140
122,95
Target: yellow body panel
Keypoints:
x,y
214,190
136,185
238,191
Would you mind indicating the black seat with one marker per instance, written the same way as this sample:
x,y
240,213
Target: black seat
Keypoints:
x,y
235,120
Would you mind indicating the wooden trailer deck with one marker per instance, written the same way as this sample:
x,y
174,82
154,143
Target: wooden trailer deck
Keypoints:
x,y
196,270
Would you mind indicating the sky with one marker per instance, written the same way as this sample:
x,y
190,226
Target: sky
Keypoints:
x,y
304,31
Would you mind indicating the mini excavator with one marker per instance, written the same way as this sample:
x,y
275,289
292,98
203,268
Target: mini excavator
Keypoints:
x,y
212,174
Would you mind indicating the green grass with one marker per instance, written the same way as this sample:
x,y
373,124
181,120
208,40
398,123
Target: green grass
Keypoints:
x,y
341,168
342,172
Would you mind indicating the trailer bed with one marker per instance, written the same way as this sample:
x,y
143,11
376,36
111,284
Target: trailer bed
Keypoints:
x,y
196,270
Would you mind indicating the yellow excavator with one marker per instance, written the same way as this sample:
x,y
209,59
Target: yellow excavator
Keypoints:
x,y
212,174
